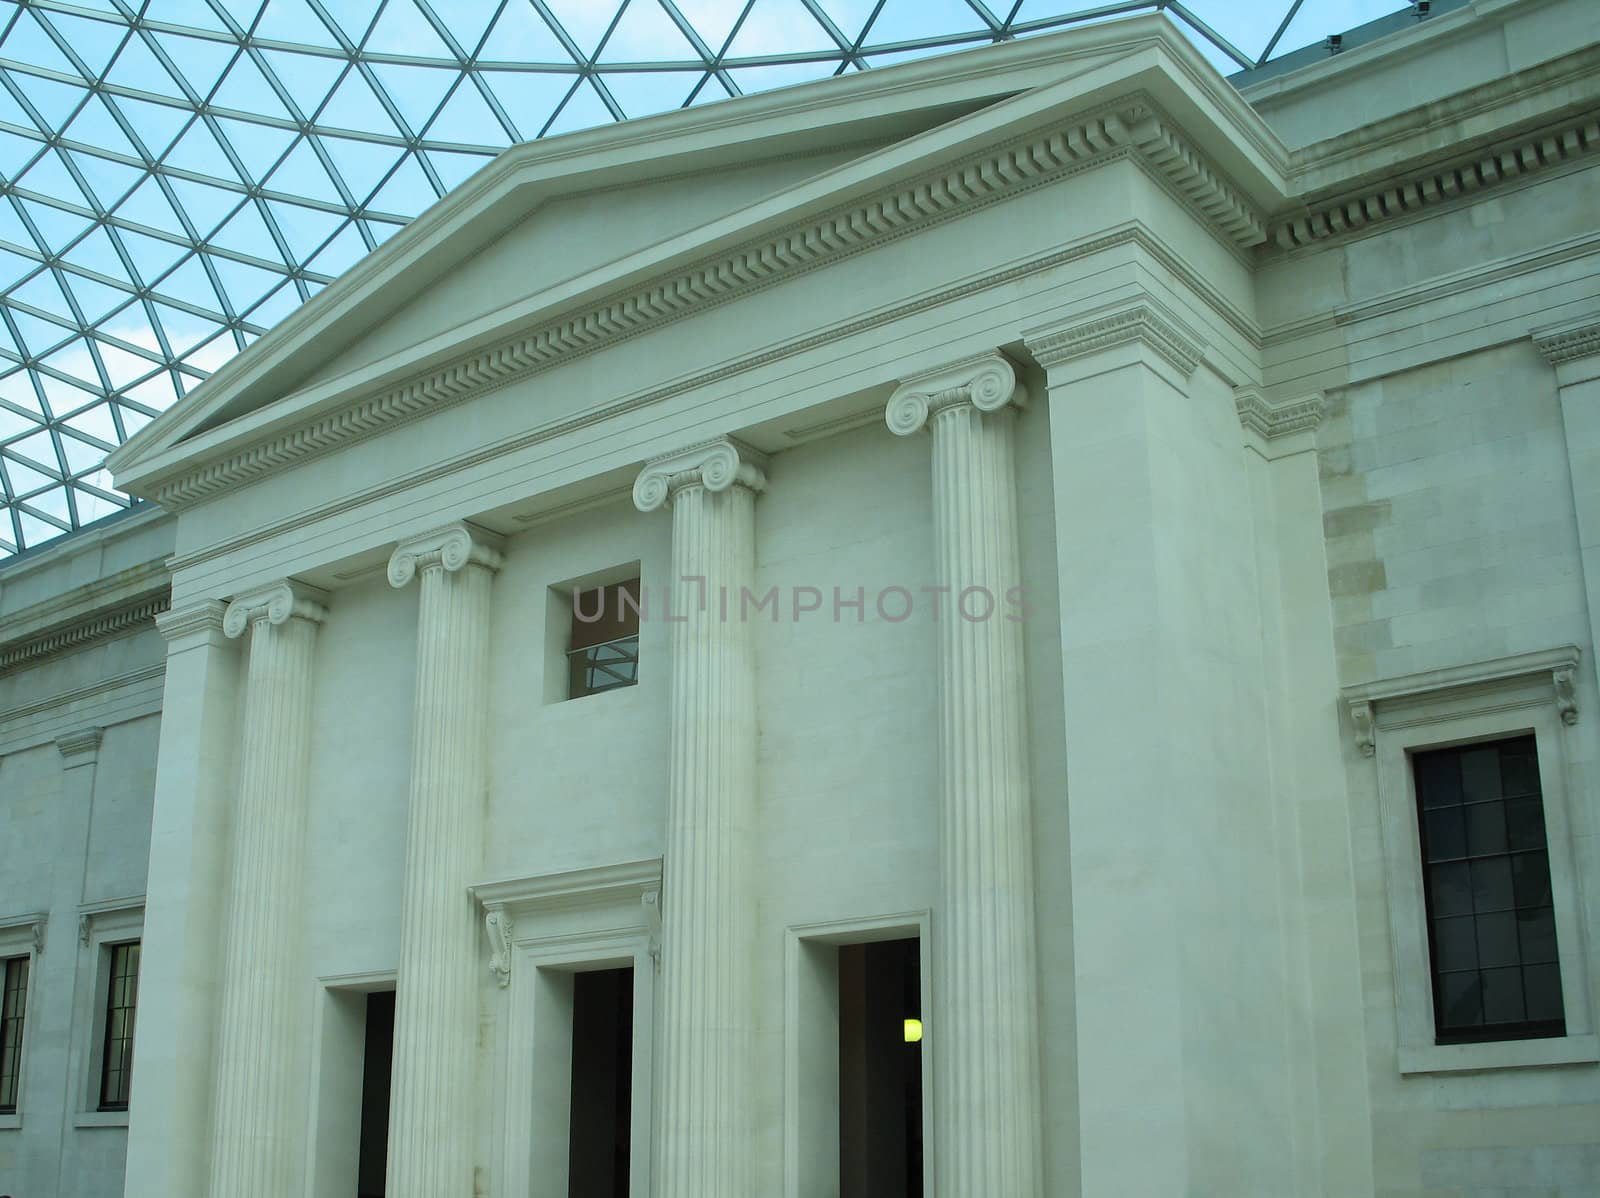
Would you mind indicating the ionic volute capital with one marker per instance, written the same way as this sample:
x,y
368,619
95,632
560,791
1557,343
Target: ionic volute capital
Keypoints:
x,y
275,604
451,548
716,465
987,382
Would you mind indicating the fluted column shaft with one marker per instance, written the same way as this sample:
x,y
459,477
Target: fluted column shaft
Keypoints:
x,y
432,1091
259,1121
704,1132
984,1031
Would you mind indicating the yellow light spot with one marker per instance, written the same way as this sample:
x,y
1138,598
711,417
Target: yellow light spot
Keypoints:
x,y
913,1031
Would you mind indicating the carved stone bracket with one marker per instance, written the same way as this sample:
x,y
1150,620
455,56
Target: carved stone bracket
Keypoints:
x,y
1566,683
715,465
451,548
497,923
1268,419
650,902
1137,323
79,748
988,382
1366,734
275,604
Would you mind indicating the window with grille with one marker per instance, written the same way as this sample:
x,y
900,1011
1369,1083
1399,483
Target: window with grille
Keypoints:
x,y
122,994
603,651
1491,920
13,1011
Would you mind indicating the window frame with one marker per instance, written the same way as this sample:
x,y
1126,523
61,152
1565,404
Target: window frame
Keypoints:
x,y
22,936
102,926
1526,695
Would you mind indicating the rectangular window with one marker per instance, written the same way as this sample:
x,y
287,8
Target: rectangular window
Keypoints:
x,y
12,1014
599,1143
1491,916
603,650
122,994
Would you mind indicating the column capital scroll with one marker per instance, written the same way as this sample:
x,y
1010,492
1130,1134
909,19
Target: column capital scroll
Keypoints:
x,y
276,604
988,382
716,465
453,547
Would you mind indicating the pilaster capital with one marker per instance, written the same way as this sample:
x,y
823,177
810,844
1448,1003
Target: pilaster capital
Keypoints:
x,y
79,748
275,604
1569,342
988,382
452,548
199,617
716,465
1270,418
1139,323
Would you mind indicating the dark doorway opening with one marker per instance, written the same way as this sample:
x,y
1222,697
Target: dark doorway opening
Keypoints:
x,y
602,1083
880,1070
376,1059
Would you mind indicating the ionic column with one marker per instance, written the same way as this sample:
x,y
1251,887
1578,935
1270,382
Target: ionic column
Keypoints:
x,y
258,1128
984,1030
703,1129
432,1094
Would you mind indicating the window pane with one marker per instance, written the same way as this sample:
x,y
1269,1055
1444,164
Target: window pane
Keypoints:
x,y
1486,828
1451,889
13,1010
117,1047
1531,878
1445,834
1491,884
1502,996
1454,941
1497,940
1536,931
1543,986
1460,1000
1480,773
1525,823
1438,779
1519,769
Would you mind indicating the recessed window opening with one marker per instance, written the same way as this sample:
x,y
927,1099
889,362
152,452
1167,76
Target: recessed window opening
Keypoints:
x,y
602,1084
376,1060
880,1070
122,998
603,648
13,1012
1491,917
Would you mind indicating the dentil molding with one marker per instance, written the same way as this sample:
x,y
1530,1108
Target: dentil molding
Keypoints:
x,y
1268,419
988,382
125,617
450,548
1137,323
715,465
201,616
275,604
1568,343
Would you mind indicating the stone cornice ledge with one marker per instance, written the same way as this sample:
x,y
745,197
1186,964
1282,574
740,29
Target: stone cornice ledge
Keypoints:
x,y
1134,125
572,888
1283,418
717,465
1141,323
1569,342
1559,665
128,616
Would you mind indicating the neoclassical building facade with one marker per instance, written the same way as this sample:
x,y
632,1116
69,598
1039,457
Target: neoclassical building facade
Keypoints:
x,y
1020,624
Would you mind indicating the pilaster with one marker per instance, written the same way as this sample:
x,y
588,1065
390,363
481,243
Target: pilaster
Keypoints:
x,y
984,1030
261,1080
180,979
704,1134
432,1092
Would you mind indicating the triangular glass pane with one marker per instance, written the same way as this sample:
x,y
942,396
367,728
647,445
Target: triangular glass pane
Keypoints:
x,y
139,68
712,19
38,336
151,256
109,180
26,42
55,102
213,355
156,393
13,230
415,91
183,330
308,78
647,34
259,147
16,152
190,284
92,506
642,93
202,61
53,503
522,36
147,205
13,112
781,27
204,205
95,300
244,284
363,164
66,397
83,457
17,388
195,13
401,29
42,291
244,12
74,360
354,16
10,423
36,531
849,15
25,476
455,169
585,21
94,126
354,106
380,231
247,90
528,97
760,79
305,229
342,253
466,119
156,125
276,306
906,20
301,174
407,192
247,233
50,178
468,21
197,150
293,21
583,111
13,268
123,368
94,42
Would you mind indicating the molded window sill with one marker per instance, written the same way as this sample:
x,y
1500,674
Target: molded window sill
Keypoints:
x,y
101,1119
1501,1054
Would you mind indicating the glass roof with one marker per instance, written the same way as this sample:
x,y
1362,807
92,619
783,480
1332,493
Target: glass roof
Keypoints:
x,y
178,175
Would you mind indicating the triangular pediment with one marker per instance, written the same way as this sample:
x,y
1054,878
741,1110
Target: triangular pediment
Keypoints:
x,y
586,236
